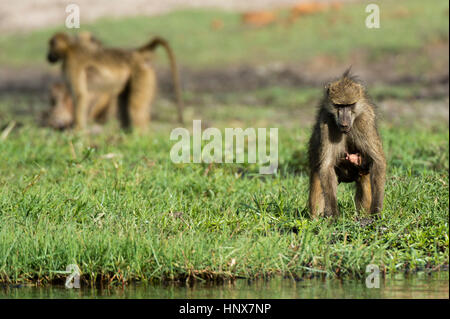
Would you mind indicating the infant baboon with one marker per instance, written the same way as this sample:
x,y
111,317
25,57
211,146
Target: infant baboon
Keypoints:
x,y
345,147
86,39
126,76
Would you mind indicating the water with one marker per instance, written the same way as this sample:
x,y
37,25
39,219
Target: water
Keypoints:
x,y
420,285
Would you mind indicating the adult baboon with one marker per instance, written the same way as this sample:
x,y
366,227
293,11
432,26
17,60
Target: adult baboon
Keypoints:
x,y
60,115
345,147
122,73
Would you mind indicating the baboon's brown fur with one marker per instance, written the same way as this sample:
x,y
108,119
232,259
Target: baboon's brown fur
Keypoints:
x,y
123,75
345,147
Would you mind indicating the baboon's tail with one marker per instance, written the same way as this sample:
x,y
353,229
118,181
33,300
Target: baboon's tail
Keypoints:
x,y
151,46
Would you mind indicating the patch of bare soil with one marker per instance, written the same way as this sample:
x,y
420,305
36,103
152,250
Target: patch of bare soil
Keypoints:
x,y
422,112
391,69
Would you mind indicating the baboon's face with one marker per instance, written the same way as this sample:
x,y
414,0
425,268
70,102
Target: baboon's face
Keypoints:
x,y
344,116
58,46
60,114
343,97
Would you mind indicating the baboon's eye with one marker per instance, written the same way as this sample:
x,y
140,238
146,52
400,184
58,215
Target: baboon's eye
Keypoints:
x,y
342,106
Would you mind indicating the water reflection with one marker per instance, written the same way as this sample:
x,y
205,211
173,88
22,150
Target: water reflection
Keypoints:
x,y
421,285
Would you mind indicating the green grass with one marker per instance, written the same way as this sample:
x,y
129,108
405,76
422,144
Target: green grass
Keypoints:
x,y
63,202
335,34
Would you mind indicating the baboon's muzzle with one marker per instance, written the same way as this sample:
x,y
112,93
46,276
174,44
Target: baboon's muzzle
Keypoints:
x,y
345,119
52,58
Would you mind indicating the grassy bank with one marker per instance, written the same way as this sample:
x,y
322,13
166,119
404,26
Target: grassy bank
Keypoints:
x,y
111,204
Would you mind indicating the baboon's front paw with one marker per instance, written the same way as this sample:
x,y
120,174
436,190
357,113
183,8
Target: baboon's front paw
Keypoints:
x,y
375,210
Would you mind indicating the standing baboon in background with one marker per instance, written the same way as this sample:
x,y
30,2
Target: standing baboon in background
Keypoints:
x,y
60,115
345,147
115,72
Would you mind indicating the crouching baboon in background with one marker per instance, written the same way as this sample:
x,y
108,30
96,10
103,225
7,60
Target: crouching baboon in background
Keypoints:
x,y
60,115
122,75
345,147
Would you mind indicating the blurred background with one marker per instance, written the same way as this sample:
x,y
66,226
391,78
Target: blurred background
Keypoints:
x,y
241,55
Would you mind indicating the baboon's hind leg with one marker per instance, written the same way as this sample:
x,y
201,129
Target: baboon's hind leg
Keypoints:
x,y
363,196
99,108
112,110
316,199
142,91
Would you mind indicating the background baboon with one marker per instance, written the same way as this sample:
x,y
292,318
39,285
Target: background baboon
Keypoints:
x,y
116,73
60,115
61,112
345,147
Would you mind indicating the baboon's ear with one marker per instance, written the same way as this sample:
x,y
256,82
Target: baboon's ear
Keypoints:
x,y
360,89
347,72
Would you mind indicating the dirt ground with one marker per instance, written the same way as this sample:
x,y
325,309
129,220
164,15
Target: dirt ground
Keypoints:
x,y
391,70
